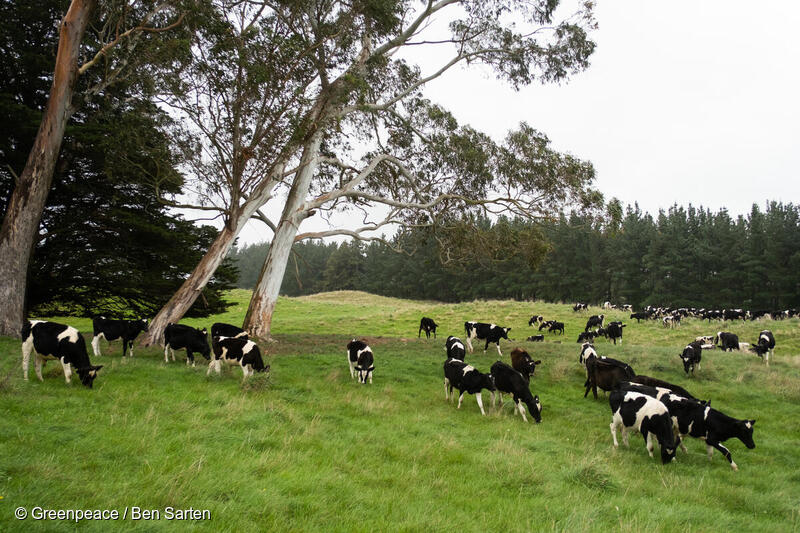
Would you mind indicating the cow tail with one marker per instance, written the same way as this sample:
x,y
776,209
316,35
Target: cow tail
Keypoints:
x,y
26,330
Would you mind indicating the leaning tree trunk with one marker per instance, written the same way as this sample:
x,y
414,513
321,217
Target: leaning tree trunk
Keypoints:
x,y
25,207
258,321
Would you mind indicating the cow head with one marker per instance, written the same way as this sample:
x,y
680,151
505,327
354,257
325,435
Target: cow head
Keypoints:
x,y
505,333
87,374
587,350
668,448
687,361
142,323
745,432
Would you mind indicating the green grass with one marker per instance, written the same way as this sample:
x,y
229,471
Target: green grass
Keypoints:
x,y
310,450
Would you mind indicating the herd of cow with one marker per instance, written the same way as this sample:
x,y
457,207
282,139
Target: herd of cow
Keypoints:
x,y
660,411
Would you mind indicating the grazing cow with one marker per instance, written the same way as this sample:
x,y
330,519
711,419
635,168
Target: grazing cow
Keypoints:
x,y
734,314
178,336
487,332
671,321
56,341
765,345
536,319
112,330
606,305
580,307
523,363
466,379
594,320
640,316
220,329
556,326
705,340
727,341
715,427
535,338
427,325
626,307
510,381
691,356
546,324
661,384
614,331
361,360
454,348
236,351
605,373
584,336
634,410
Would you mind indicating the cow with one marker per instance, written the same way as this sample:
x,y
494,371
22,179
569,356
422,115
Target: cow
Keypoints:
x,y
584,336
361,360
603,372
614,331
466,379
236,351
56,341
510,381
546,324
640,316
556,326
705,340
658,383
626,307
727,341
671,321
647,415
594,320
536,319
454,348
487,332
691,356
427,325
580,307
765,345
112,330
535,338
178,336
220,329
523,363
734,314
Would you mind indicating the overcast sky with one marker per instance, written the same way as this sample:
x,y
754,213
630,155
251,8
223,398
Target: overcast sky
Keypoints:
x,y
684,102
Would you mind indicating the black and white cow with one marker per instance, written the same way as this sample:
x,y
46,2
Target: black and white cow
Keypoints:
x,y
765,345
640,316
236,351
427,325
523,363
466,379
56,341
691,356
556,326
361,360
594,320
585,336
661,384
179,336
508,380
454,348
535,338
580,307
221,329
626,307
546,324
487,332
614,331
634,410
602,371
727,341
536,319
112,330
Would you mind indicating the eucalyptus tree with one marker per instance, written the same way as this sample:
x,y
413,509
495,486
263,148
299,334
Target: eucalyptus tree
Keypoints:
x,y
100,42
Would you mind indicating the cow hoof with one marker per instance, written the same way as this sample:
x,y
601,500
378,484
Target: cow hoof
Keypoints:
x,y
735,468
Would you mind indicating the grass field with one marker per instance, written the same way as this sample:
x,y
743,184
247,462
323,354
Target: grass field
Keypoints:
x,y
310,450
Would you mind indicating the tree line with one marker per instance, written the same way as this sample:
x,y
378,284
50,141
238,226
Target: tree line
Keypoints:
x,y
684,256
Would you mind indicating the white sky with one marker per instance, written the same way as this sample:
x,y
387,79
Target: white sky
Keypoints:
x,y
684,102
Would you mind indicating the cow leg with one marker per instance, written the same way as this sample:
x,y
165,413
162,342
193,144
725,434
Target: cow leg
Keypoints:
x,y
38,362
522,411
625,436
498,349
189,357
369,372
96,345
127,344
480,403
723,450
486,347
613,426
217,366
27,348
469,344
446,391
594,389
500,396
210,366
459,399
67,370
166,351
648,442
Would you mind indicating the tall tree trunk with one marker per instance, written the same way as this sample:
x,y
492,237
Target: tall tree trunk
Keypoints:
x,y
21,221
258,321
186,295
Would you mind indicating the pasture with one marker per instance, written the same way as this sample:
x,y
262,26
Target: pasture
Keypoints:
x,y
308,449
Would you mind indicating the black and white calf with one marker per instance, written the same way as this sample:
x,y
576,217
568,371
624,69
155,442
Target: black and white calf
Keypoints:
x,y
580,307
765,345
536,319
535,338
112,330
640,316
221,329
508,380
179,336
487,332
56,341
361,360
594,320
236,351
427,325
634,410
455,348
727,341
556,326
614,331
466,379
691,356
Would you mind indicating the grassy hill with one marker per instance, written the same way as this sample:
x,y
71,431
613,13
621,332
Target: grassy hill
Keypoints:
x,y
310,450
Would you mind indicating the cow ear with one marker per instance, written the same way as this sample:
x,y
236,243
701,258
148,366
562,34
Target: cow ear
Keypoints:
x,y
537,362
752,422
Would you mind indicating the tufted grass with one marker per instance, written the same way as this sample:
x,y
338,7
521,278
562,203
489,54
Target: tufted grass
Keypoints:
x,y
307,449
